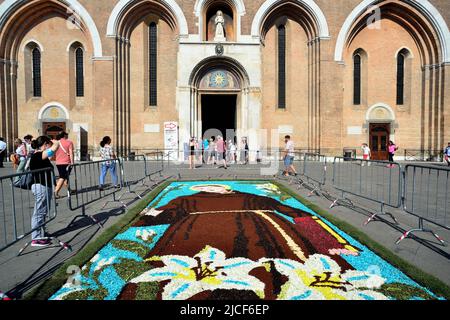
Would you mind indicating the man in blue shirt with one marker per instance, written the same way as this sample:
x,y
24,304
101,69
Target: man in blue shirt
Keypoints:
x,y
447,154
205,150
2,151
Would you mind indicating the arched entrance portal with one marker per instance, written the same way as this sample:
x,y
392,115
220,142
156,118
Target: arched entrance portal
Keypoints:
x,y
219,99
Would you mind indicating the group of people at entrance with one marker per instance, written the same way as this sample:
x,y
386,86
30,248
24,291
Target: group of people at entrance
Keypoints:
x,y
217,151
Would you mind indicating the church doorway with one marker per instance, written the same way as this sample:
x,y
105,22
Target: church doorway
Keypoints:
x,y
218,114
52,129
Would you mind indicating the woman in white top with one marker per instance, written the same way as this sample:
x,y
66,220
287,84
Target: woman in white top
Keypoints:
x,y
107,153
232,148
21,151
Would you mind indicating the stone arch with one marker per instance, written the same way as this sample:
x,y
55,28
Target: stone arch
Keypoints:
x,y
372,113
428,13
314,17
33,42
230,64
237,6
169,9
53,104
73,9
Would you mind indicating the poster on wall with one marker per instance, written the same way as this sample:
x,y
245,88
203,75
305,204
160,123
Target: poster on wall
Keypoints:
x,y
171,139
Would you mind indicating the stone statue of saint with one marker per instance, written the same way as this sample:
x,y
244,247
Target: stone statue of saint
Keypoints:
x,y
220,27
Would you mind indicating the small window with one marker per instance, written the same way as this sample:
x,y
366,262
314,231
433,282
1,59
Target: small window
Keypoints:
x,y
400,79
36,57
357,79
153,59
282,67
79,64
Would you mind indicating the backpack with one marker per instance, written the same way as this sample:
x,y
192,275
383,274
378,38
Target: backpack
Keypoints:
x,y
15,159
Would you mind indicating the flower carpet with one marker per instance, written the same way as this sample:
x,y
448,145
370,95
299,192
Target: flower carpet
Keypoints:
x,y
222,240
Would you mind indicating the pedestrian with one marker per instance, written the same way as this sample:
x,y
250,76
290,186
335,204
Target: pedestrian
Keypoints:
x,y
21,152
289,156
446,154
392,148
367,154
64,158
28,139
205,151
221,152
192,153
244,151
107,154
2,151
232,148
212,150
42,187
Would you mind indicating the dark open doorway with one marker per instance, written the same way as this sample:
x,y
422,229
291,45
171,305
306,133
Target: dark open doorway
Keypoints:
x,y
218,112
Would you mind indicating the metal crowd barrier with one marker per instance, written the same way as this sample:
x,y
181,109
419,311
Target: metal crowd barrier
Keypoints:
x,y
376,181
424,155
154,164
314,172
426,196
136,169
17,206
84,184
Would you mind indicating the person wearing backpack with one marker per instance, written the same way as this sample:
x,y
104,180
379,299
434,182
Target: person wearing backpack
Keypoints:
x,y
64,158
42,187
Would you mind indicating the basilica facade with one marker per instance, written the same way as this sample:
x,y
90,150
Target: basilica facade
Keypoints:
x,y
332,74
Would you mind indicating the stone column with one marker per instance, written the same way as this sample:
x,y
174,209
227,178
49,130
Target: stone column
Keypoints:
x,y
254,120
184,102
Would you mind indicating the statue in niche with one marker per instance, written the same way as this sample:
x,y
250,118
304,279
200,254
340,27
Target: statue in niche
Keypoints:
x,y
220,27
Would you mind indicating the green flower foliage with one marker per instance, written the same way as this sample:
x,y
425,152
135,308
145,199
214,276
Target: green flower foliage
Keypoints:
x,y
131,246
99,294
147,291
401,291
129,269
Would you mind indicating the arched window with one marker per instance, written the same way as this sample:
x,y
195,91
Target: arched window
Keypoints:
x,y
79,72
401,78
36,71
282,66
357,79
153,59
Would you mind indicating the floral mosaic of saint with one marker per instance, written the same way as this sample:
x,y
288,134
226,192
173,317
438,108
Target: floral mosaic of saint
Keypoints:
x,y
238,226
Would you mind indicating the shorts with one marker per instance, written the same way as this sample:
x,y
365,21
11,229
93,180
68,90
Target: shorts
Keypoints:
x,y
288,161
63,172
366,157
221,156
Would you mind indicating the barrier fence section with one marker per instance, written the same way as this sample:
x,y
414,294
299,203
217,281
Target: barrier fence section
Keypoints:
x,y
154,163
424,155
314,171
136,169
376,181
17,203
426,196
85,185
133,171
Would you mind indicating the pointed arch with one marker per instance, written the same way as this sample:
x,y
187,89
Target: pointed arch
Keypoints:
x,y
175,15
73,7
427,10
316,16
